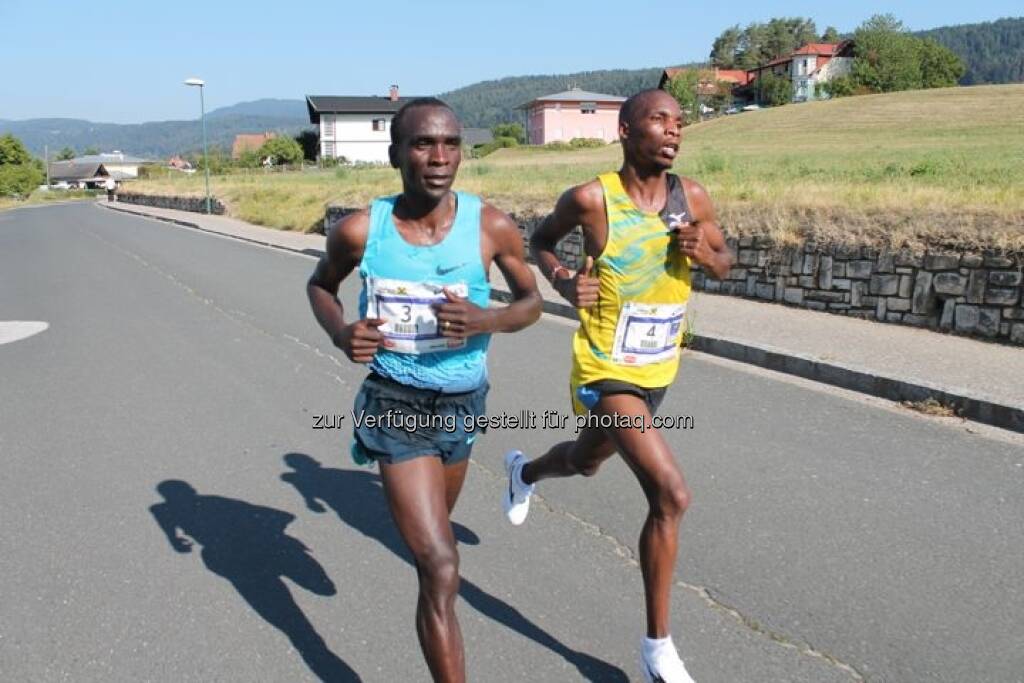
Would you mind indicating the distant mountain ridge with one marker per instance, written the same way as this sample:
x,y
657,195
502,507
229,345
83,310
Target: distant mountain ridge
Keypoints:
x,y
269,107
155,139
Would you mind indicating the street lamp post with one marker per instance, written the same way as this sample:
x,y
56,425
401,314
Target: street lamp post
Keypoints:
x,y
202,115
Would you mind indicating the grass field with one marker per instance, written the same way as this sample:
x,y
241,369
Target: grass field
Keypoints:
x,y
915,167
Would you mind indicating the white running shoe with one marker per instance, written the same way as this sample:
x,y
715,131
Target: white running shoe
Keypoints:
x,y
516,499
667,667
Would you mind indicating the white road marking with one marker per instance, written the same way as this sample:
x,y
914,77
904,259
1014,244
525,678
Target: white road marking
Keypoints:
x,y
15,330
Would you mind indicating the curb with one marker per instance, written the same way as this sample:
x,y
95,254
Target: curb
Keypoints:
x,y
970,406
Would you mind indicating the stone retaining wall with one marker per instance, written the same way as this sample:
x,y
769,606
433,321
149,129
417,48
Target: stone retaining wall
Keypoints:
x,y
194,204
972,293
978,294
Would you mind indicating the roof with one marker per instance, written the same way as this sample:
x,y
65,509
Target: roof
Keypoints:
x,y
249,141
732,75
827,49
737,76
75,170
348,104
575,95
110,158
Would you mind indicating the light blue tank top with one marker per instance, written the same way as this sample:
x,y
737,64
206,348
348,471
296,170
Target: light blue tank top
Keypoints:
x,y
455,259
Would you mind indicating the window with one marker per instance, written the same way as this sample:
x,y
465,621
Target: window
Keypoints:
x,y
328,122
380,124
588,107
329,150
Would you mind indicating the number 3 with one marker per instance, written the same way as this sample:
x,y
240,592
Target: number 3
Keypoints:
x,y
407,314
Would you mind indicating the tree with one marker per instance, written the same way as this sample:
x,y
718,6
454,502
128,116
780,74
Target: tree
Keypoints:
x,y
309,140
19,172
510,130
65,154
12,152
758,44
831,35
774,90
283,150
90,150
841,86
18,180
725,47
940,66
683,87
886,57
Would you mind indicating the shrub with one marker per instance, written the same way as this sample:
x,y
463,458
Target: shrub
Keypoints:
x,y
510,130
19,180
584,143
497,143
284,150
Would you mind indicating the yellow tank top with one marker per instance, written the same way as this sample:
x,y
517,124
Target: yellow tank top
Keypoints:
x,y
633,333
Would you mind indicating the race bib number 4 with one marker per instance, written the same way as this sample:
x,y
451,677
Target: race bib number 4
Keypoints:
x,y
408,308
647,333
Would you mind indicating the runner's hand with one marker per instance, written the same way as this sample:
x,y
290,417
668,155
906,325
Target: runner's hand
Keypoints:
x,y
691,241
461,318
581,291
361,339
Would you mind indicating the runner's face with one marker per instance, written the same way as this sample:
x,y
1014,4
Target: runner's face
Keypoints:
x,y
429,152
653,134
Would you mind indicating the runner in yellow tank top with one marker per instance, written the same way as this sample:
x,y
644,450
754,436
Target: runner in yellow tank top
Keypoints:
x,y
633,334
642,229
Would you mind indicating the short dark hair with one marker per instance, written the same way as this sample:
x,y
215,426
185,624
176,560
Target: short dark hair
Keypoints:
x,y
399,118
633,102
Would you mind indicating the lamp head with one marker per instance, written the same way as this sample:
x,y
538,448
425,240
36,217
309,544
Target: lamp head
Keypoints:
x,y
195,81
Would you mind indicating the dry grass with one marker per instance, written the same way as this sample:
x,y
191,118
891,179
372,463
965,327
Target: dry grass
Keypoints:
x,y
930,406
909,168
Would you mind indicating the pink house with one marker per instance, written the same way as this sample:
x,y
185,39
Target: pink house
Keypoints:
x,y
572,114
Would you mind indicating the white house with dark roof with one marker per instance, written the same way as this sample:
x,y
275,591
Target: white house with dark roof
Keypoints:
x,y
572,114
92,170
355,128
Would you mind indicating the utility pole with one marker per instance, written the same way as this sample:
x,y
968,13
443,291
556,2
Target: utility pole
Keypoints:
x,y
46,163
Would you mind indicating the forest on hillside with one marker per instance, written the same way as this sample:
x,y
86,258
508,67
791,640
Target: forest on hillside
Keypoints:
x,y
993,52
484,104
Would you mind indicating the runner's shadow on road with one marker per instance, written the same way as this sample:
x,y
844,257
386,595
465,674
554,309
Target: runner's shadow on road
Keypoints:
x,y
247,545
358,499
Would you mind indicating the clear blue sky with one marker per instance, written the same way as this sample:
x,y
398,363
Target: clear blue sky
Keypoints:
x,y
124,62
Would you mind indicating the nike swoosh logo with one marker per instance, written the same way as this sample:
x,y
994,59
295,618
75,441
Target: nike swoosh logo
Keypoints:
x,y
445,271
655,678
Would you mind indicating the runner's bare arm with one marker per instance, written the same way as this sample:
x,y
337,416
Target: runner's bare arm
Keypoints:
x,y
503,244
345,245
582,205
702,240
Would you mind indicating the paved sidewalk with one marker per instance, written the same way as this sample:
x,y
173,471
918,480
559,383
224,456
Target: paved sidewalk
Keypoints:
x,y
981,379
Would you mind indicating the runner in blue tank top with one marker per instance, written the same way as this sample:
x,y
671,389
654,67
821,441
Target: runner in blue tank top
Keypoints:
x,y
423,330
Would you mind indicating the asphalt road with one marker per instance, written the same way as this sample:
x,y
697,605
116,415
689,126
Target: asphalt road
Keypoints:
x,y
832,538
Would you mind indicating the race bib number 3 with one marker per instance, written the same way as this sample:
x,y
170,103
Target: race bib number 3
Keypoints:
x,y
408,308
647,333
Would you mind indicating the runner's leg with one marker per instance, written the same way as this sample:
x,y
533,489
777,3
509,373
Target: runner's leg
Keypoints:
x,y
650,458
419,492
582,456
